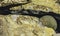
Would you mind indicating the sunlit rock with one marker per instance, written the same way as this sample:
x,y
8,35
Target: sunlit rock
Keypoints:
x,y
12,28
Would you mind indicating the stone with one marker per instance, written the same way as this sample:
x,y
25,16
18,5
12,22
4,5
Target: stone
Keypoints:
x,y
12,28
8,2
49,21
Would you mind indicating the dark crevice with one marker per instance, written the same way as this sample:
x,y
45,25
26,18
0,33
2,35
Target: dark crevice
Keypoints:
x,y
4,10
58,1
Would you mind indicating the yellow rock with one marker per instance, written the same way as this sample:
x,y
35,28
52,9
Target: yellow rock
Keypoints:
x,y
17,8
49,33
48,3
8,2
43,5
11,28
24,19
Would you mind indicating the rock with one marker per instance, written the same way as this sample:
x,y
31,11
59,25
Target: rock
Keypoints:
x,y
25,19
8,2
17,8
49,21
51,4
1,26
43,5
12,28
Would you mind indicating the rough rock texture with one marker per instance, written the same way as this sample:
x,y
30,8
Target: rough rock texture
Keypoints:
x,y
23,19
8,2
23,26
44,5
49,21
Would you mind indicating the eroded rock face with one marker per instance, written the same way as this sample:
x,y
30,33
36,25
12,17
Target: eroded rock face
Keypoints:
x,y
8,2
23,26
44,5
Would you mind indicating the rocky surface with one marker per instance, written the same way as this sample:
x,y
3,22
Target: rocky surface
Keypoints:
x,y
44,5
24,26
8,2
49,21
